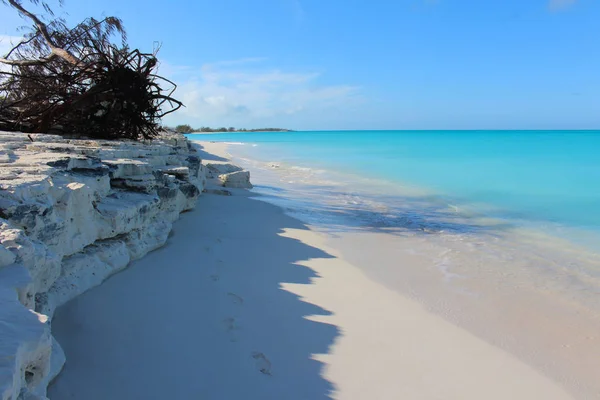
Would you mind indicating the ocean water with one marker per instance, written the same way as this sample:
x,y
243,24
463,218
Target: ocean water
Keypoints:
x,y
496,232
516,205
535,176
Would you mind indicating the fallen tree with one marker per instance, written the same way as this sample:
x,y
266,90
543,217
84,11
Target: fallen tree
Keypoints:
x,y
80,81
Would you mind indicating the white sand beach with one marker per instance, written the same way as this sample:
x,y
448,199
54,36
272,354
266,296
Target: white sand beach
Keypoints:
x,y
246,302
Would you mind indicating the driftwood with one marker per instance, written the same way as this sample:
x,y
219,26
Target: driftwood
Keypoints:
x,y
77,81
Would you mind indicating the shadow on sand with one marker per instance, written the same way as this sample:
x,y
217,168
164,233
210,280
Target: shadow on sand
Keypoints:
x,y
204,317
398,215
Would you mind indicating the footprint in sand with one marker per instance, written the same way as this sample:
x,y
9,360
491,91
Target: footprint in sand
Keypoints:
x,y
215,277
262,363
235,298
230,326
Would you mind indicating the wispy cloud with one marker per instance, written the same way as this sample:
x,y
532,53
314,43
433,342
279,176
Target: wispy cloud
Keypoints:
x,y
244,93
557,5
298,11
6,43
238,62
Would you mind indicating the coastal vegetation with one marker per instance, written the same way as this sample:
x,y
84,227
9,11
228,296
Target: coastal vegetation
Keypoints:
x,y
188,129
86,78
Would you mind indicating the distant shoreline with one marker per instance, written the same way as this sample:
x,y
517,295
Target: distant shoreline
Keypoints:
x,y
213,133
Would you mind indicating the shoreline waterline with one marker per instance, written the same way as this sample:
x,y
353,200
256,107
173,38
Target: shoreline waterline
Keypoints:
x,y
395,203
539,177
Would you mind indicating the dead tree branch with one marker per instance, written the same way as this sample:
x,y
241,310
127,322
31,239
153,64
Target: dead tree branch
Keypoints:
x,y
77,81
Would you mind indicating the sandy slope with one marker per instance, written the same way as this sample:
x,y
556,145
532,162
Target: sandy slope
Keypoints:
x,y
246,302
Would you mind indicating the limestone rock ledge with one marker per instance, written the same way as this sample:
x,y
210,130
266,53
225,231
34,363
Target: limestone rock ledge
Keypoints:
x,y
229,175
73,212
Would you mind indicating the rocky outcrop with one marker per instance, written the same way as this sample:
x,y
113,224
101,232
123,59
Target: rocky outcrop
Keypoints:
x,y
229,175
238,179
73,212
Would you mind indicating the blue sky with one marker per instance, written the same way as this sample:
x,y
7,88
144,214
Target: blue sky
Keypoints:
x,y
379,64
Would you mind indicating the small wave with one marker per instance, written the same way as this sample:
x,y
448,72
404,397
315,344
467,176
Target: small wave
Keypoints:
x,y
236,143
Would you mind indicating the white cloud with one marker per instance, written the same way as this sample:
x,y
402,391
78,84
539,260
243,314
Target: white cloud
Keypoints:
x,y
556,5
244,94
6,43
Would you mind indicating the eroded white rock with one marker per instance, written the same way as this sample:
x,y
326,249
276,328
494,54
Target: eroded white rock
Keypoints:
x,y
26,344
237,179
73,212
216,169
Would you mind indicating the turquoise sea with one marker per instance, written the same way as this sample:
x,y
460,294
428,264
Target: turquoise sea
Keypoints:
x,y
534,175
452,182
521,204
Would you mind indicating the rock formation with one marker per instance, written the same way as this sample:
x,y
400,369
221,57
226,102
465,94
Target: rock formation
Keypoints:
x,y
73,212
229,175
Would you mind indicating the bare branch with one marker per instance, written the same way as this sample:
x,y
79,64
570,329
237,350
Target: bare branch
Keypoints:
x,y
22,42
43,29
27,62
76,80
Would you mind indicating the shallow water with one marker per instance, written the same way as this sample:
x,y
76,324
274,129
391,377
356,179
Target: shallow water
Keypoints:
x,y
533,176
542,180
346,187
